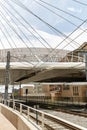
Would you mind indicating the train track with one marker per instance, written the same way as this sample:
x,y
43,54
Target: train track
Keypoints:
x,y
51,121
74,112
79,119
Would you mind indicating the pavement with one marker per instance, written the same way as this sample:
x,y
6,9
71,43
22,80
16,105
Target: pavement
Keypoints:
x,y
5,124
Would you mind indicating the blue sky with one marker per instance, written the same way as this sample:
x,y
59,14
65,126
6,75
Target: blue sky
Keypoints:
x,y
52,37
67,5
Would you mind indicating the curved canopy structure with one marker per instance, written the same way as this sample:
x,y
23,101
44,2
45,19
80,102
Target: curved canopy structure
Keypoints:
x,y
61,71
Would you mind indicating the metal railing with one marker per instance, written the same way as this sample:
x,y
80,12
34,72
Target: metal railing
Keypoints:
x,y
55,101
38,117
31,114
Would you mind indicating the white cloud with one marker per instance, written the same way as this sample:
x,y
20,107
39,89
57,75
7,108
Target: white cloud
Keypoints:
x,y
77,38
80,35
8,17
25,1
53,40
72,9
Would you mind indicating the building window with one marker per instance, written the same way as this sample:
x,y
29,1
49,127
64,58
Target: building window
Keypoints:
x,y
66,87
55,88
75,91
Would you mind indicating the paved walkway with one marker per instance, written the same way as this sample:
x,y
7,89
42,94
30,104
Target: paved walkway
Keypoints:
x,y
5,124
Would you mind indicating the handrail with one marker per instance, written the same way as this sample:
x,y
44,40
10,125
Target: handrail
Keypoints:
x,y
39,116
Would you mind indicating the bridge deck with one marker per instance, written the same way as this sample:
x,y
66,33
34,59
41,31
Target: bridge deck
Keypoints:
x,y
5,124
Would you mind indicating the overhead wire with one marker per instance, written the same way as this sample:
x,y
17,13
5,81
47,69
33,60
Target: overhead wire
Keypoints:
x,y
74,30
36,57
59,16
21,30
64,12
3,16
7,32
64,19
82,32
70,35
29,25
23,62
5,35
56,13
79,26
50,26
32,29
68,13
80,2
31,12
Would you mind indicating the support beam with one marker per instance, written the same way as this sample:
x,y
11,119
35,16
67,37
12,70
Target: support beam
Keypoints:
x,y
7,77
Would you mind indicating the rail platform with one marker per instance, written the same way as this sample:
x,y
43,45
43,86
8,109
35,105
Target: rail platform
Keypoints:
x,y
5,124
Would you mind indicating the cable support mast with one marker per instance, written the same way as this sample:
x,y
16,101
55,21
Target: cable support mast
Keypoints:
x,y
7,77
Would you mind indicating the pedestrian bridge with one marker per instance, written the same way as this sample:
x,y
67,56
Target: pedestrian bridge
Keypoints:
x,y
43,72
